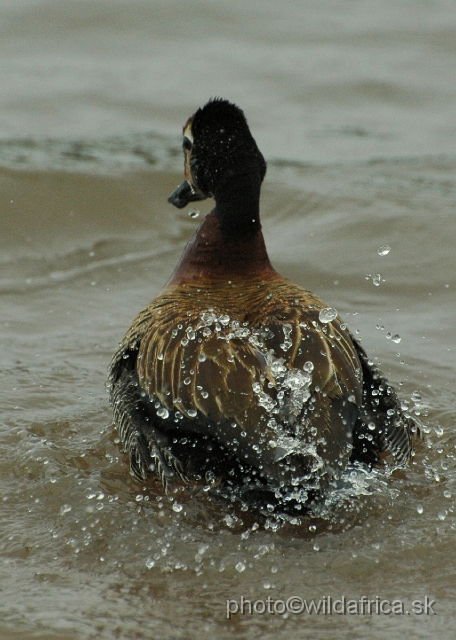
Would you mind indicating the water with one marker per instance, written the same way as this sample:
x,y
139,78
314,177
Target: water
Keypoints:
x,y
353,106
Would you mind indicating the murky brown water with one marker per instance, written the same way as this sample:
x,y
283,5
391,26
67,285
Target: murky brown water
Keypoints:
x,y
88,156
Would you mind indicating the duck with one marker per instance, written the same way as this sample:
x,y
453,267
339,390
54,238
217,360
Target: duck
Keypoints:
x,y
233,376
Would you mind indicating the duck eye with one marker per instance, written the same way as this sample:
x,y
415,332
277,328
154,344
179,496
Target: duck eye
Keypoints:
x,y
186,144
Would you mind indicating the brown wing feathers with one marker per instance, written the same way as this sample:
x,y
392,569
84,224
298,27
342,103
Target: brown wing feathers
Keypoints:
x,y
217,369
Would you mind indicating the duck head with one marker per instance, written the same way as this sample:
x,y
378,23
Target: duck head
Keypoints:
x,y
221,156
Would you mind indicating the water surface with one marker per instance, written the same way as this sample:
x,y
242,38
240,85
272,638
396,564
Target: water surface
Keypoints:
x,y
351,107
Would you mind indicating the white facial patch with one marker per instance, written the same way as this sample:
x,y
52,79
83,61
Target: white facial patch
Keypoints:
x,y
188,133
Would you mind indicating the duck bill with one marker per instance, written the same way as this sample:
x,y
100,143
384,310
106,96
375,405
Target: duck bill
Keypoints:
x,y
184,194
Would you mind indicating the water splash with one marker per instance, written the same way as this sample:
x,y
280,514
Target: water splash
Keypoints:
x,y
287,342
376,278
327,315
264,400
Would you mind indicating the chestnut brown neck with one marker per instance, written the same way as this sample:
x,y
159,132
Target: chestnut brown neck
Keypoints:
x,y
213,253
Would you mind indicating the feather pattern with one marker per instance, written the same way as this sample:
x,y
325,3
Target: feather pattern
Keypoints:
x,y
261,370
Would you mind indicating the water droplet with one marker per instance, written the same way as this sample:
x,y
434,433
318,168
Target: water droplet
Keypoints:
x,y
287,331
308,366
192,413
447,494
442,514
187,381
205,394
383,251
150,562
64,509
240,567
316,546
327,315
193,213
396,338
376,278
293,381
177,507
207,317
277,367
420,509
163,413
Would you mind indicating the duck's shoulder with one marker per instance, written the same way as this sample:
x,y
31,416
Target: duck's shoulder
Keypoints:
x,y
310,331
253,302
247,317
